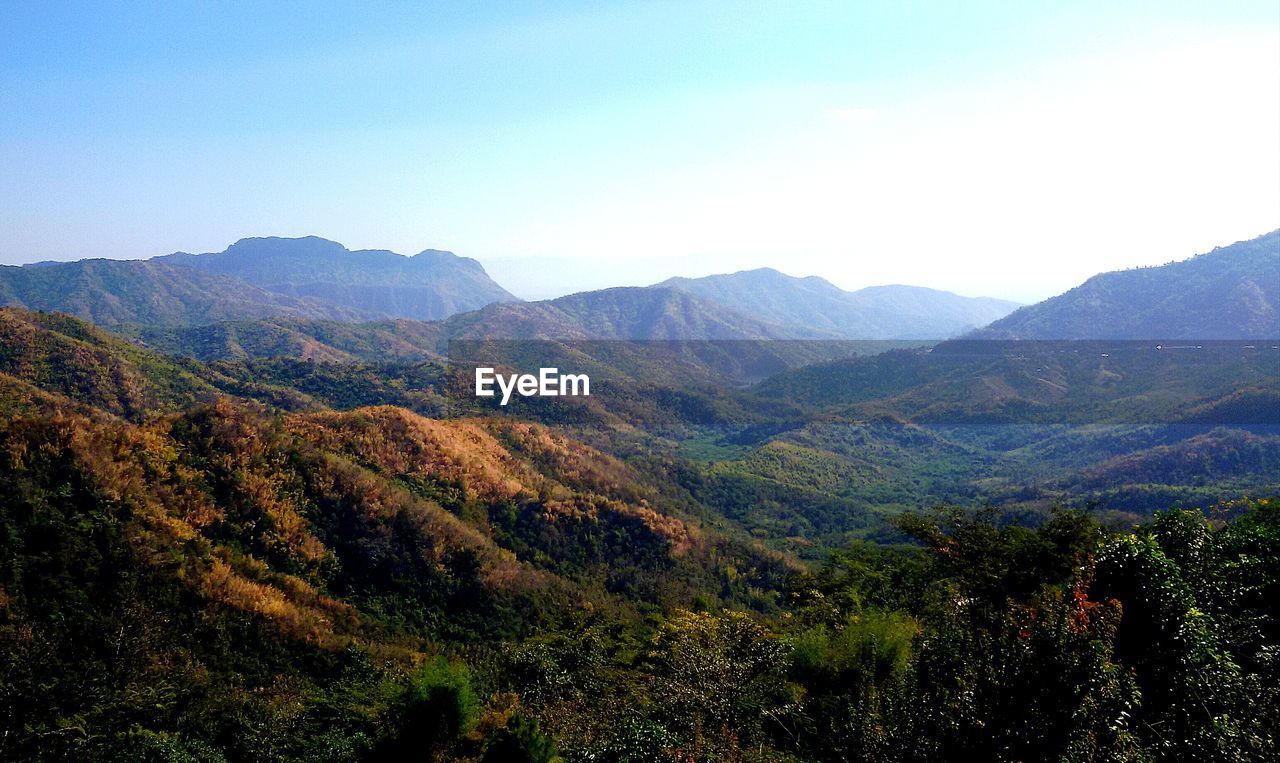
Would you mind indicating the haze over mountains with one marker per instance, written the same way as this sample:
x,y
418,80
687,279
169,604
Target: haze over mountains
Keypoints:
x,y
1232,292
876,312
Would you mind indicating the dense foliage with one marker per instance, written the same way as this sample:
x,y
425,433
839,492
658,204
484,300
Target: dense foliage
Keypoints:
x,y
124,635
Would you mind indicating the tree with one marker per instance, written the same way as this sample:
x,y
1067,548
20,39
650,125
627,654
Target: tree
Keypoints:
x,y
435,708
521,741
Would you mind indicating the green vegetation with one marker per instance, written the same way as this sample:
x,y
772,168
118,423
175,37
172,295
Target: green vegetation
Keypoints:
x,y
283,559
127,628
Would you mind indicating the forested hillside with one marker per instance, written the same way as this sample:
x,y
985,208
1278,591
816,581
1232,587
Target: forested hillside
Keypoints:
x,y
283,559
111,292
1232,292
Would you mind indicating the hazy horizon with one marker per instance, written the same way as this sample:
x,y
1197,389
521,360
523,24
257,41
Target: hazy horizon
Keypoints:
x,y
534,278
992,150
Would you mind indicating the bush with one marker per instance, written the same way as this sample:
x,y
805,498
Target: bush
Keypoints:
x,y
436,707
521,741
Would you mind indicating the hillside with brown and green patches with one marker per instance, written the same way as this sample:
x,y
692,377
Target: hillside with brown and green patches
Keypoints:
x,y
247,564
231,584
274,558
118,292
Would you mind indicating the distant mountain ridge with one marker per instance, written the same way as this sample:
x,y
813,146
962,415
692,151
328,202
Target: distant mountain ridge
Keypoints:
x,y
877,312
624,312
430,285
1232,292
114,292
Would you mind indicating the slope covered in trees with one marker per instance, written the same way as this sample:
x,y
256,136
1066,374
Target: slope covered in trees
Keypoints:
x,y
222,584
284,559
1232,292
111,292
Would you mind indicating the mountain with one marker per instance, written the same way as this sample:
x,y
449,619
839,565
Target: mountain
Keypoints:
x,y
253,279
680,340
1232,292
100,386
113,292
609,314
621,313
963,382
322,341
427,286
877,312
70,359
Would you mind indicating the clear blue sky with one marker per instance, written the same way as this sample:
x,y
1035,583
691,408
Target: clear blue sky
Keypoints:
x,y
984,147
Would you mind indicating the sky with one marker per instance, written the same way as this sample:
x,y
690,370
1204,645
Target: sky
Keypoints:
x,y
1007,149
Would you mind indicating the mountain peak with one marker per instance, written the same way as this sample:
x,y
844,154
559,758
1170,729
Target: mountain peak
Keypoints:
x,y
1231,292
268,245
431,285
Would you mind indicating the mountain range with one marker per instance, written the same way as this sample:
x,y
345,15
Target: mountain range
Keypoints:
x,y
623,313
827,451
876,312
266,557
300,286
